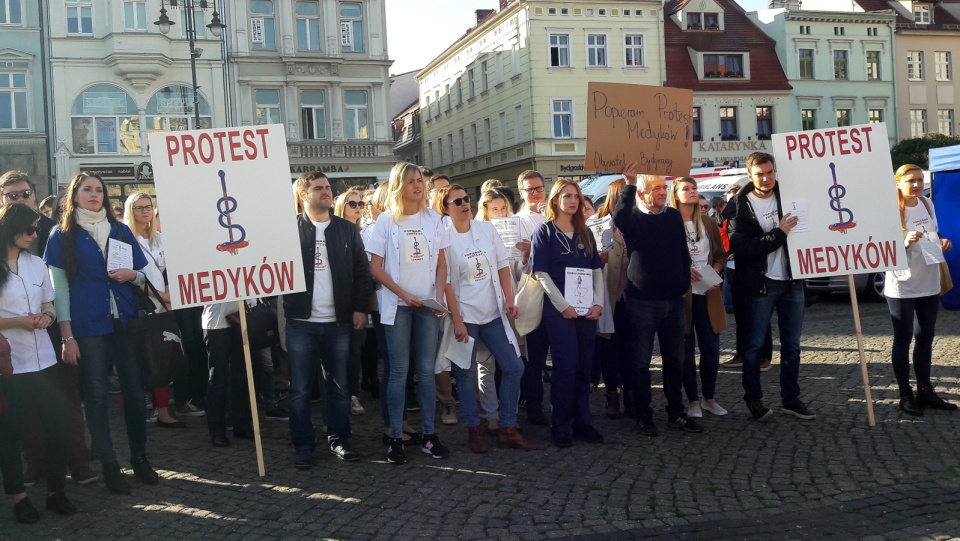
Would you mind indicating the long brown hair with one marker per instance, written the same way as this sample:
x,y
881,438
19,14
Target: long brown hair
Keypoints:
x,y
441,196
579,222
68,220
14,221
613,196
898,176
674,201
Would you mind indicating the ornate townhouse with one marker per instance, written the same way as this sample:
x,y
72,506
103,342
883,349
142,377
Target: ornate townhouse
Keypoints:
x,y
740,93
511,94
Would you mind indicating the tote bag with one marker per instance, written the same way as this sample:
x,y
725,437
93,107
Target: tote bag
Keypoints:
x,y
529,300
156,341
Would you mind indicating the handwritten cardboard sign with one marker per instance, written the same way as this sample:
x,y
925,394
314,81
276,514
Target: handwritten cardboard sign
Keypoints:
x,y
651,125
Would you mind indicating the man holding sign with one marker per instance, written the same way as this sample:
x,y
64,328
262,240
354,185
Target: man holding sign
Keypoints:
x,y
758,238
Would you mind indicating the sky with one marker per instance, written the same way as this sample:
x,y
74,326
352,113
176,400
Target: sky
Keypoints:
x,y
419,30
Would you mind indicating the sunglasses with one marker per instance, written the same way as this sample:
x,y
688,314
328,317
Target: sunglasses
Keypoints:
x,y
459,201
31,231
14,196
143,208
705,207
356,204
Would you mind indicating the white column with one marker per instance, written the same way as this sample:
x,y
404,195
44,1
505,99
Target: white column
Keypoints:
x,y
335,109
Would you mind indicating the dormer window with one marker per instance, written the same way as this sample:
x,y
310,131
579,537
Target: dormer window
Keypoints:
x,y
694,21
922,13
723,65
711,21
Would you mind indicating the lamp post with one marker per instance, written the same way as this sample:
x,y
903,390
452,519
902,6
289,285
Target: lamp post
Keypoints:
x,y
216,27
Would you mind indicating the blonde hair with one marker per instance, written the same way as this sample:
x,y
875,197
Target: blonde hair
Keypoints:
x,y
613,196
368,199
674,201
490,184
400,175
898,176
488,197
340,205
579,221
149,232
379,199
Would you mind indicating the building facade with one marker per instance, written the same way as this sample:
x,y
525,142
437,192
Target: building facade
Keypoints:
x,y
511,94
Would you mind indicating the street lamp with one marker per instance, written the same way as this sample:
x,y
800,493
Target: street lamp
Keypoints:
x,y
216,28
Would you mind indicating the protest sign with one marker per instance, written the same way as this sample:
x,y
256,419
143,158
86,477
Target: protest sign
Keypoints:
x,y
651,125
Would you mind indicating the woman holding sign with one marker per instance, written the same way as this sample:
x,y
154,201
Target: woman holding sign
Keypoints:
x,y
913,294
94,302
567,264
705,314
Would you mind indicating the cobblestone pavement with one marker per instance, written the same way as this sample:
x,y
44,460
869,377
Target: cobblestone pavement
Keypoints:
x,y
832,478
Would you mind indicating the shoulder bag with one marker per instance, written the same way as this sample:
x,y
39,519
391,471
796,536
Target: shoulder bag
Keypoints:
x,y
156,340
262,326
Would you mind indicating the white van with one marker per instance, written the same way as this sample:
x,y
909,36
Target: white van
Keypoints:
x,y
714,186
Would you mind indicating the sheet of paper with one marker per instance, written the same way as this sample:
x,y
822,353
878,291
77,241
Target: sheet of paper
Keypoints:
x,y
434,305
119,255
932,250
602,229
798,209
578,289
710,278
509,230
460,353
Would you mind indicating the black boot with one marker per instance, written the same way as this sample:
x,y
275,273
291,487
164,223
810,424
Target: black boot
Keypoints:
x,y
926,398
143,471
113,477
613,404
908,404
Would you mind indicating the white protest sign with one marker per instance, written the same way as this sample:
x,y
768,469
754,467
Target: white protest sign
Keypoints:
x,y
229,227
841,179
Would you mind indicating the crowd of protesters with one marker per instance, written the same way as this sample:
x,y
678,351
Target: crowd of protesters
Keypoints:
x,y
408,275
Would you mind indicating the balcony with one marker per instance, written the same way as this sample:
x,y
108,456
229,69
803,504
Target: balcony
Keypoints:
x,y
335,150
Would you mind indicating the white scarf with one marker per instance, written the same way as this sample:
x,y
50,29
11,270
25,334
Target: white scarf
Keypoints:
x,y
96,224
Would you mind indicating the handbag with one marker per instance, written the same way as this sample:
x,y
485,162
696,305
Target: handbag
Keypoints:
x,y
946,282
529,300
262,326
155,336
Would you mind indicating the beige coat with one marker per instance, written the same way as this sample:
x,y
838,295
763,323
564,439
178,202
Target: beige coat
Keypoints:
x,y
718,316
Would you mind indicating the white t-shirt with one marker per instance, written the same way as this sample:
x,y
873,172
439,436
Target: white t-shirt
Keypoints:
x,y
414,258
323,309
156,264
920,279
698,245
478,300
215,315
769,218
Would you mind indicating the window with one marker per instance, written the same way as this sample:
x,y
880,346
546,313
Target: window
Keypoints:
x,y
711,21
13,101
633,50
268,107
694,21
450,146
764,122
872,31
517,123
945,121
430,153
805,30
440,149
475,139
875,116
313,114
484,78
171,109
459,90
806,63
351,27
198,24
808,119
697,131
134,15
840,64
446,96
915,65
562,111
308,26
355,124
471,91
843,117
501,129
921,13
596,50
262,30
488,134
499,67
873,65
80,17
11,12
728,123
463,144
560,50
944,69
838,31
723,65
918,122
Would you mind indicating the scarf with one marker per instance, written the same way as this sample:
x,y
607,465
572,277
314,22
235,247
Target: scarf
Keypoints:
x,y
96,224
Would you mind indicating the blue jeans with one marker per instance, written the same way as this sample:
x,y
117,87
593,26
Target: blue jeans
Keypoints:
x,y
572,342
701,331
663,319
913,318
97,353
510,367
786,297
312,348
412,339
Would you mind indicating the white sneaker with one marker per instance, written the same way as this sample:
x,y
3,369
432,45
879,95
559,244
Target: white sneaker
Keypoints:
x,y
694,412
355,407
153,416
715,409
448,416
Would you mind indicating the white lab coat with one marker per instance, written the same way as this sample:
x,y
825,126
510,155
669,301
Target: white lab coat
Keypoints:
x,y
24,293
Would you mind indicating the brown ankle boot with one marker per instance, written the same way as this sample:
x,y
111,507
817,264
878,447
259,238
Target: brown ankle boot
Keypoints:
x,y
477,439
613,404
509,436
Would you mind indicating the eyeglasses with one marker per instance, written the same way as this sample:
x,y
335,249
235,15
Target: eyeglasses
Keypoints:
x,y
705,207
31,231
143,208
538,189
459,201
14,196
356,204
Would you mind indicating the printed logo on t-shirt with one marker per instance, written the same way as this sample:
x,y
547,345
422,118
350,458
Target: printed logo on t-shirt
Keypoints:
x,y
319,264
771,218
414,246
920,224
479,267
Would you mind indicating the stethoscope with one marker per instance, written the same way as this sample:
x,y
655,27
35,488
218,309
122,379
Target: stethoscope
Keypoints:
x,y
568,250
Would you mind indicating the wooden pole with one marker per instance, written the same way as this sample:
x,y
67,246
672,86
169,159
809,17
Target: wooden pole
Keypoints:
x,y
863,357
250,388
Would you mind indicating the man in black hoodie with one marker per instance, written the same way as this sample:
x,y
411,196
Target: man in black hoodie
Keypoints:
x,y
658,276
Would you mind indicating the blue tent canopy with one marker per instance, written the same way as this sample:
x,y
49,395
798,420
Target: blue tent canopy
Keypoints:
x,y
945,166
